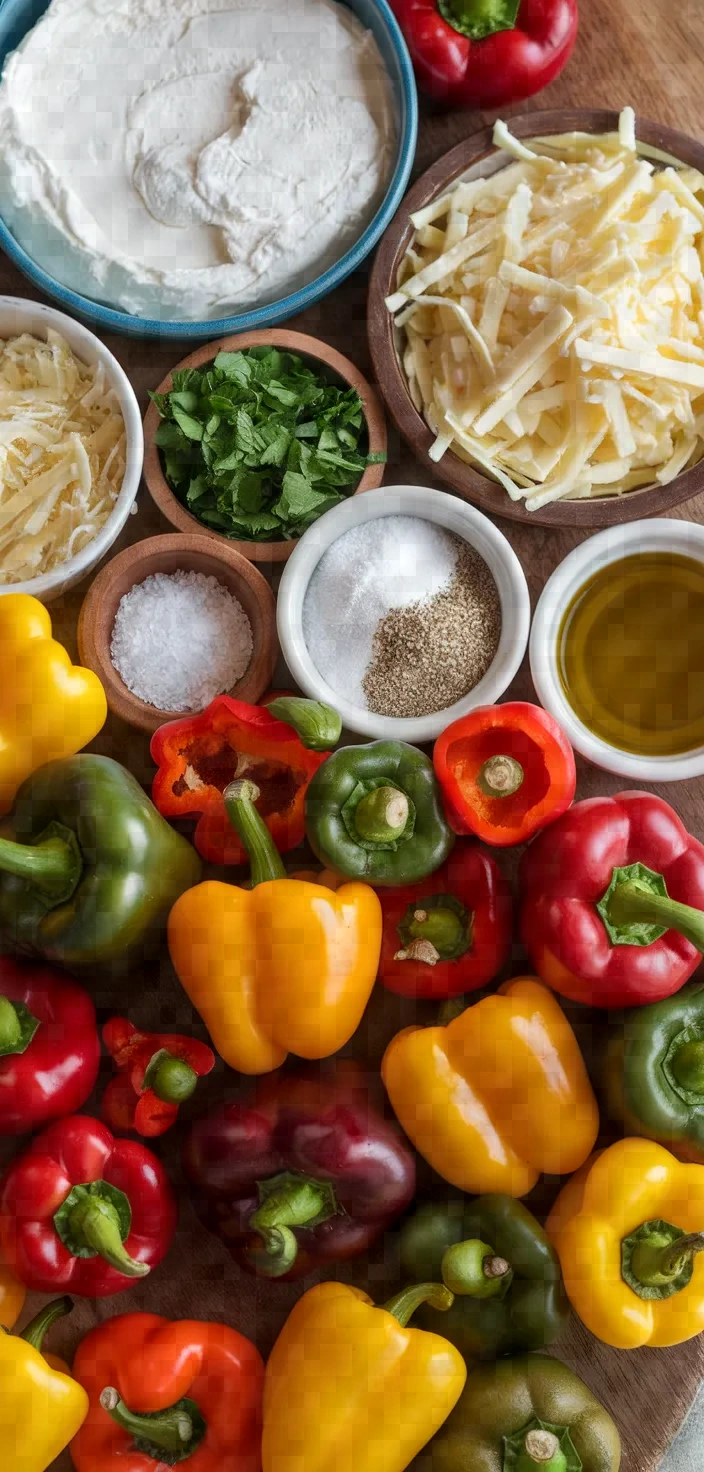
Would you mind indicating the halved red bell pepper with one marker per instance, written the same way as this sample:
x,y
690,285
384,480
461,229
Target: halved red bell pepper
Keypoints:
x,y
613,895
505,772
449,933
158,1071
80,1210
49,1046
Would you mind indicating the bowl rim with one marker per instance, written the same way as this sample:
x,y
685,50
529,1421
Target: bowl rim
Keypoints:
x,y
388,372
77,334
610,545
429,505
281,337
113,319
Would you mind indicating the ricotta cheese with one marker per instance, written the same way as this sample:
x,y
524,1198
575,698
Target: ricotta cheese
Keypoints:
x,y
182,159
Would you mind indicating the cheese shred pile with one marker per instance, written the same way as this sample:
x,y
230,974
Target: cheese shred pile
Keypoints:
x,y
62,455
554,318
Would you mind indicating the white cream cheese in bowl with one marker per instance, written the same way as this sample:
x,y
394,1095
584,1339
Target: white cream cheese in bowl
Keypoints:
x,y
183,158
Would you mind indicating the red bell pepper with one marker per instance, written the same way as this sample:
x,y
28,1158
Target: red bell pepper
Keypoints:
x,y
49,1046
302,1173
506,771
447,934
157,1073
83,1211
486,53
613,895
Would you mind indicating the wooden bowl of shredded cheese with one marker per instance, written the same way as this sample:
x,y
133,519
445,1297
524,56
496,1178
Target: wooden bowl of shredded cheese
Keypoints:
x,y
536,318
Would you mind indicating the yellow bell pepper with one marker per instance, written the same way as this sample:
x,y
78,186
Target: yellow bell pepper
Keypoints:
x,y
12,1296
286,966
41,1407
497,1096
48,707
628,1228
349,1387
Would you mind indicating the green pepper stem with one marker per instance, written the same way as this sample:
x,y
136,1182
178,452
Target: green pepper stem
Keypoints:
x,y
472,1269
171,1079
405,1303
479,18
53,865
542,1449
687,1064
317,726
654,1265
42,1322
434,934
10,1029
94,1223
264,858
631,903
295,1203
171,1430
500,776
382,816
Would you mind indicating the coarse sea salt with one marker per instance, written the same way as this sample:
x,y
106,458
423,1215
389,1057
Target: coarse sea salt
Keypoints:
x,y
179,639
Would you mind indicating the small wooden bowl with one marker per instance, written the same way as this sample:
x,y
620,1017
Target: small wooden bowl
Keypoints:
x,y
168,554
388,369
292,342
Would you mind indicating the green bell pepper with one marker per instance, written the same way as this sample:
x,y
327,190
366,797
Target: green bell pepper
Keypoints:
x,y
498,1262
88,868
375,813
529,1414
653,1072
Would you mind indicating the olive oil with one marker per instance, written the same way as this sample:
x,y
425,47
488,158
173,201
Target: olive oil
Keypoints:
x,y
631,654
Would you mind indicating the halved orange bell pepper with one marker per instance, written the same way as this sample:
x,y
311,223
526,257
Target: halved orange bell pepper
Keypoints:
x,y
287,966
497,1096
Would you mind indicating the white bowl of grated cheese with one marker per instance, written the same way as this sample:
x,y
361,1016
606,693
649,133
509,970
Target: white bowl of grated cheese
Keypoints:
x,y
72,449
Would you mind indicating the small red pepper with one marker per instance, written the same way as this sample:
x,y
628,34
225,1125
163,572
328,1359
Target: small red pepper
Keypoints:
x,y
449,933
49,1046
157,1073
80,1210
505,772
613,896
486,53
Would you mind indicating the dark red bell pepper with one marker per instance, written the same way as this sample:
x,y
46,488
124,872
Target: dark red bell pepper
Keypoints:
x,y
449,933
612,901
303,1173
80,1210
486,53
49,1046
157,1073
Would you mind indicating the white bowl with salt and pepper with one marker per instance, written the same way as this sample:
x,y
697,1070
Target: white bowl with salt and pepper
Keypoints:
x,y
304,577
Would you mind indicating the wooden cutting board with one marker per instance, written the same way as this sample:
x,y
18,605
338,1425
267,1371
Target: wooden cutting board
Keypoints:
x,y
652,56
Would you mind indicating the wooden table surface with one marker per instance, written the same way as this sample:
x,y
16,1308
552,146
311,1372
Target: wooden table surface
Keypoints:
x,y
649,53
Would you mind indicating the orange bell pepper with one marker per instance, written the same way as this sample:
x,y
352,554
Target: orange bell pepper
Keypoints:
x,y
12,1296
497,1096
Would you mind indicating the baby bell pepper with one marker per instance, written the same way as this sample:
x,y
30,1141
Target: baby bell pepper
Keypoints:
x,y
505,772
613,896
198,758
287,966
84,1211
628,1228
88,867
486,53
41,1405
49,708
305,1172
49,1046
157,1073
374,812
653,1072
164,1394
501,1267
349,1386
447,934
498,1095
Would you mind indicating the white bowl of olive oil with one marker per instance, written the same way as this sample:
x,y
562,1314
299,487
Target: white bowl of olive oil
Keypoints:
x,y
617,649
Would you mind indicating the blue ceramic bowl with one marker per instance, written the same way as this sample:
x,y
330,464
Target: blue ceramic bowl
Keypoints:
x,y
18,16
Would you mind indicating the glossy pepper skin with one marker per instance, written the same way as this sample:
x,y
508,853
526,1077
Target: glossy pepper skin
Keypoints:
x,y
49,708
306,1152
49,1046
287,966
497,1096
88,868
612,899
653,1072
207,1372
516,1299
503,1403
506,771
628,1231
80,1210
41,1407
158,1071
447,934
486,53
351,1370
374,812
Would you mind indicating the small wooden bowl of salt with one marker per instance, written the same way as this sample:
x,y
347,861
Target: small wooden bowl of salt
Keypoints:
x,y
174,621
